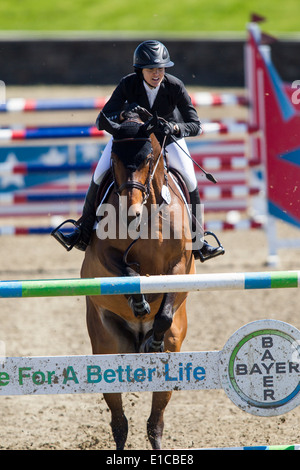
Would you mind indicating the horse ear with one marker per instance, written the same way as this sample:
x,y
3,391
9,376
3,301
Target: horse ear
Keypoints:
x,y
103,123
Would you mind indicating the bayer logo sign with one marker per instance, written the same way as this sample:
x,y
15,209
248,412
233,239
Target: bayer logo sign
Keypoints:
x,y
260,368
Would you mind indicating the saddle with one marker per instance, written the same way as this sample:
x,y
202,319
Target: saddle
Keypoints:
x,y
179,181
105,188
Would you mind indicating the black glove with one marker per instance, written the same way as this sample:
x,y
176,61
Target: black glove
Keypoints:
x,y
168,128
136,108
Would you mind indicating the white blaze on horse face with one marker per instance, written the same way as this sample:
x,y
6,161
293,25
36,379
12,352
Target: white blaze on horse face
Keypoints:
x,y
106,227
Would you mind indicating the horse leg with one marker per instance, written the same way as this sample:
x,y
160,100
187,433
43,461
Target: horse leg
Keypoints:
x,y
155,423
137,302
119,423
110,339
162,322
139,305
174,337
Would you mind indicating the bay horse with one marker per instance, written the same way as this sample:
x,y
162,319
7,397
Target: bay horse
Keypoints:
x,y
139,323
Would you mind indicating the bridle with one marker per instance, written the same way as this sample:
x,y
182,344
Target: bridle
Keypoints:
x,y
144,188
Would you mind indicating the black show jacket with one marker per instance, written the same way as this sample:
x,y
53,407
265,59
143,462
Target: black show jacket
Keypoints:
x,y
172,102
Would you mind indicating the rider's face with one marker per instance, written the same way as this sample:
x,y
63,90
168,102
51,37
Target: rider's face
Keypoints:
x,y
154,76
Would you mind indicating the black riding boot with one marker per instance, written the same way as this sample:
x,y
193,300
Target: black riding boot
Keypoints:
x,y
204,251
83,227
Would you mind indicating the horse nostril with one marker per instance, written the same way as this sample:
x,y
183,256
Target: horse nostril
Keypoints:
x,y
135,212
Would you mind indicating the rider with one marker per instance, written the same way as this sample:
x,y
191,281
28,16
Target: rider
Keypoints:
x,y
151,88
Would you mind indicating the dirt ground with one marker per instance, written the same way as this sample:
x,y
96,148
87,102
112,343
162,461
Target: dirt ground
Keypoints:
x,y
56,326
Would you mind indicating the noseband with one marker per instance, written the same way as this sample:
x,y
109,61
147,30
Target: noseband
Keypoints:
x,y
144,188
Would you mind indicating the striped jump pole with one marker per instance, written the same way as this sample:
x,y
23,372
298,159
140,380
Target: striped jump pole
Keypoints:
x,y
46,132
208,192
9,230
228,127
32,168
40,209
64,104
226,162
149,284
58,104
218,99
224,192
218,164
212,225
26,197
216,147
8,134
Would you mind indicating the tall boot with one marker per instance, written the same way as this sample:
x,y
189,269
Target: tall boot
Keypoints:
x,y
203,251
83,227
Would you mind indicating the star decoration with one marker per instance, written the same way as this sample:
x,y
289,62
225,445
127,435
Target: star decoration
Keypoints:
x,y
9,178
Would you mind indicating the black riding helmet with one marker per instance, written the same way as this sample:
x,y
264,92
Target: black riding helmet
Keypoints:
x,y
151,54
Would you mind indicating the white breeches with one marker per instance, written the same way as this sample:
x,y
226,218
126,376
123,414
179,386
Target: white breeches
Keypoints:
x,y
177,159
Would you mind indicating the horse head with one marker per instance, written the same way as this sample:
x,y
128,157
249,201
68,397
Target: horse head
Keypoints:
x,y
132,160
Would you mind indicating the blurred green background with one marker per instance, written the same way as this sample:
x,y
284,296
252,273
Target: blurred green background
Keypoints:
x,y
175,17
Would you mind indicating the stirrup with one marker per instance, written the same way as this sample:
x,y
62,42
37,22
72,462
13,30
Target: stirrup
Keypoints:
x,y
60,237
219,249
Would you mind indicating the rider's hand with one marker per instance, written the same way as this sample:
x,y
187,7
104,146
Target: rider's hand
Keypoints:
x,y
136,108
169,128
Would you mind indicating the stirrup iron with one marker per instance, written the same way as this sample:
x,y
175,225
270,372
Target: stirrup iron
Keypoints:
x,y
219,248
60,236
